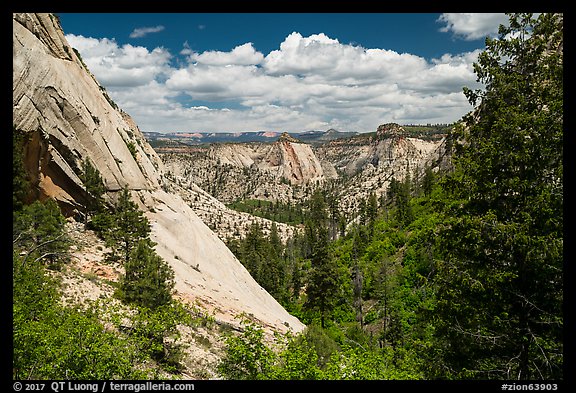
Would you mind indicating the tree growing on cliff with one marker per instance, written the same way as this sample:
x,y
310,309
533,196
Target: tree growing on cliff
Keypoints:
x,y
125,227
148,280
20,182
95,189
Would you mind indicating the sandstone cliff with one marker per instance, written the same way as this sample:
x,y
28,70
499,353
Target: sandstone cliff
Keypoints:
x,y
389,149
288,170
225,222
279,171
286,159
369,162
68,118
298,164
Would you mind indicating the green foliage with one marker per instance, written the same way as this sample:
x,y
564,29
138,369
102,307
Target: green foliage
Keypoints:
x,y
359,364
298,361
247,357
500,278
453,277
428,180
38,232
94,186
51,341
324,284
148,280
427,132
263,257
275,211
318,339
132,149
155,334
20,181
124,227
297,358
400,193
34,292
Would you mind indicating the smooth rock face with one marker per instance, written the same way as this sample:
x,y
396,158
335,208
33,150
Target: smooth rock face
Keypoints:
x,y
208,275
299,164
68,117
285,158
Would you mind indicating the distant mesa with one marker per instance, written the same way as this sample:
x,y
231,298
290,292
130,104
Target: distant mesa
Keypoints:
x,y
189,134
268,134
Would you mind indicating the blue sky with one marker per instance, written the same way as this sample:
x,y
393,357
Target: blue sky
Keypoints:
x,y
283,71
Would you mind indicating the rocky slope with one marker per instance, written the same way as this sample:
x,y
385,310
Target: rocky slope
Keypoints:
x,y
88,278
368,163
286,159
288,170
389,149
284,170
225,222
68,118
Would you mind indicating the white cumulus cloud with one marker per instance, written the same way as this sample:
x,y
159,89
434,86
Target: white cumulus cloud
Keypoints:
x,y
241,55
472,26
313,82
121,66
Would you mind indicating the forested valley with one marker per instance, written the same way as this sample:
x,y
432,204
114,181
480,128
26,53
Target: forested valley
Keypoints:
x,y
455,274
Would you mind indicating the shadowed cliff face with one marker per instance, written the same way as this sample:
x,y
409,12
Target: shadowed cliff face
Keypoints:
x,y
67,118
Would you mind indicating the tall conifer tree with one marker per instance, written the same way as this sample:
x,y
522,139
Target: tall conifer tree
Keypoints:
x,y
500,281
323,286
128,226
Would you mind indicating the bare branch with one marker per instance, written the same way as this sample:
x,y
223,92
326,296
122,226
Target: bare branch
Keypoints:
x,y
41,245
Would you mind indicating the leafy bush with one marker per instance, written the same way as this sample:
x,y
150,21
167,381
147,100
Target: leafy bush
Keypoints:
x,y
52,341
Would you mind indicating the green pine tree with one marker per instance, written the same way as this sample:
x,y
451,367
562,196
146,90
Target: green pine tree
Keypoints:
x,y
427,180
500,281
148,280
371,212
38,230
324,278
95,189
20,182
125,228
253,252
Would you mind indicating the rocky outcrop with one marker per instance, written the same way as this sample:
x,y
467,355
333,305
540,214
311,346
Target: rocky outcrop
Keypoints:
x,y
371,161
68,118
390,149
207,272
225,222
286,159
297,162
288,170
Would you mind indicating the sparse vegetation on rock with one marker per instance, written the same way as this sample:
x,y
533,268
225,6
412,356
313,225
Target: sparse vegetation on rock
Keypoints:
x,y
399,256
